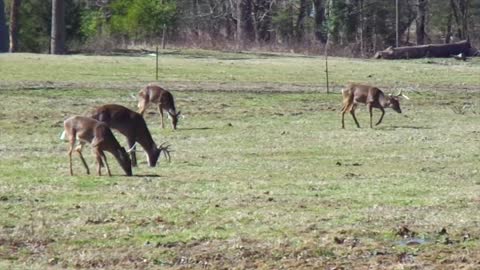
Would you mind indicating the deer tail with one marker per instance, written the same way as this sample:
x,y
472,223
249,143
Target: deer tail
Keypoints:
x,y
62,136
347,98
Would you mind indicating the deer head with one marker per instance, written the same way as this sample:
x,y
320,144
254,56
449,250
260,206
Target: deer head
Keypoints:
x,y
394,101
174,117
155,154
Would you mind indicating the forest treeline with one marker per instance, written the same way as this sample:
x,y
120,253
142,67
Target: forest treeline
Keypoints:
x,y
351,27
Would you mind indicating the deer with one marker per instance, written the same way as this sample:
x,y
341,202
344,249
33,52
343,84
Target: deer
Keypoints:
x,y
354,93
132,125
99,135
155,94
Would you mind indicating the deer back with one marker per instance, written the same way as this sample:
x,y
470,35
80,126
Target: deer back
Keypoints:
x,y
100,136
131,124
158,95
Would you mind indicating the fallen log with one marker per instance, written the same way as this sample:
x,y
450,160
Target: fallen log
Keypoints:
x,y
429,50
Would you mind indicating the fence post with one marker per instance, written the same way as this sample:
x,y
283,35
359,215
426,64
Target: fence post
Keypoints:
x,y
156,64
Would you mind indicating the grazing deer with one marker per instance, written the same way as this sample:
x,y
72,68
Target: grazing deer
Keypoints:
x,y
371,96
132,125
100,137
157,95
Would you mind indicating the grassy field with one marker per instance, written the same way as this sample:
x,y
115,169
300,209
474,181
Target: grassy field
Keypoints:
x,y
262,177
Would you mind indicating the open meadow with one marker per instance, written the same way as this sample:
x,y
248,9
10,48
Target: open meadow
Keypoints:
x,y
262,175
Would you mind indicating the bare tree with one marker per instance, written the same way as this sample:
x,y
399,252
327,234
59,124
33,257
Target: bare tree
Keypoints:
x,y
57,41
14,25
263,20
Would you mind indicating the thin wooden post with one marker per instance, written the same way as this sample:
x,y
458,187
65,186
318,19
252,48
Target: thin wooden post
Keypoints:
x,y
326,47
326,67
163,36
156,65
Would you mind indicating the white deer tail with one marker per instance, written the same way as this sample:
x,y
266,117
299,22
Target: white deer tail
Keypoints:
x,y
62,137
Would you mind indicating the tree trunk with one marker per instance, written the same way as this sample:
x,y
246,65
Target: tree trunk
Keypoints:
x,y
421,14
246,22
430,50
320,33
230,22
302,14
359,6
448,32
239,36
263,19
465,10
14,25
3,29
57,41
460,10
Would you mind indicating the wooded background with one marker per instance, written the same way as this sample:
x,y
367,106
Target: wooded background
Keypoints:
x,y
352,27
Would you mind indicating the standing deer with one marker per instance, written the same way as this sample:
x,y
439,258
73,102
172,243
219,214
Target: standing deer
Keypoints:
x,y
371,96
157,95
100,137
132,125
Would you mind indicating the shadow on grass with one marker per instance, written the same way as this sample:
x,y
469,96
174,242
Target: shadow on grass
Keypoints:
x,y
146,175
198,128
403,127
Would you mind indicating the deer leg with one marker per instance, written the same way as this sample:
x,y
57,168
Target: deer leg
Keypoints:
x,y
160,110
133,156
99,162
106,164
98,155
78,149
70,150
381,117
343,117
352,112
371,114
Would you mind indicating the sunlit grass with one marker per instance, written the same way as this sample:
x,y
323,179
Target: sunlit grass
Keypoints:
x,y
197,70
258,180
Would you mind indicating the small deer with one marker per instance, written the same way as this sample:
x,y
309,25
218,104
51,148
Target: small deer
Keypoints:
x,y
132,125
157,95
99,135
353,94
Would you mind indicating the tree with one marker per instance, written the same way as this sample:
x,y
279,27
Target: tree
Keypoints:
x,y
57,43
421,16
320,33
14,25
460,10
302,15
247,29
3,29
263,20
143,19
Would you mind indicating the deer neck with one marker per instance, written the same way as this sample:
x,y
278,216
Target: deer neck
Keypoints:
x,y
383,100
